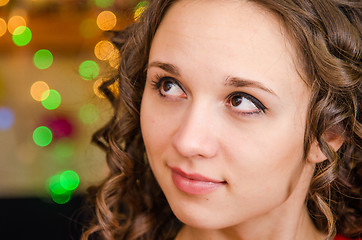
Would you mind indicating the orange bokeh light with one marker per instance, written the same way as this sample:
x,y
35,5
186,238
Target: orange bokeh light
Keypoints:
x,y
114,59
3,2
106,20
104,50
14,22
3,27
38,90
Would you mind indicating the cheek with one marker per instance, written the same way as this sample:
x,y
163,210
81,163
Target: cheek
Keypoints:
x,y
156,126
268,158
149,126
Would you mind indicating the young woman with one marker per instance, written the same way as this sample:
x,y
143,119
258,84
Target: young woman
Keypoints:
x,y
235,120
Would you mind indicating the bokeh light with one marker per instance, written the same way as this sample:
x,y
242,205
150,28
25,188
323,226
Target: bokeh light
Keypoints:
x,y
88,28
88,70
63,150
15,22
6,118
104,50
114,59
22,36
58,193
69,180
113,88
43,59
140,8
103,3
88,113
39,91
60,126
3,2
55,186
142,4
3,27
106,20
96,86
61,186
42,136
61,198
52,101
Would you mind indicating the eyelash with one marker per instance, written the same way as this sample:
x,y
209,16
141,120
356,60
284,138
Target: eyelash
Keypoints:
x,y
261,108
159,80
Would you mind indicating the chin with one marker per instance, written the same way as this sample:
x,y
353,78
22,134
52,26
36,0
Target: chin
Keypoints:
x,y
201,220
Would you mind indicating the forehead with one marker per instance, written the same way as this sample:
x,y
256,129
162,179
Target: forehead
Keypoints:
x,y
223,34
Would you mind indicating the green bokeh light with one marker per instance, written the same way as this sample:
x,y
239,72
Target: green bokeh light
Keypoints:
x,y
63,150
43,59
22,36
62,185
103,3
61,198
88,114
69,180
52,101
140,8
88,70
142,4
42,136
55,186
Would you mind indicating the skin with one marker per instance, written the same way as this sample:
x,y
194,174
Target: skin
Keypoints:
x,y
189,121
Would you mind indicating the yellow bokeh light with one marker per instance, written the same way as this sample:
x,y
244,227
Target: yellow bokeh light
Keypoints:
x,y
106,20
96,90
14,22
38,89
114,59
140,8
104,50
3,2
138,12
3,27
113,88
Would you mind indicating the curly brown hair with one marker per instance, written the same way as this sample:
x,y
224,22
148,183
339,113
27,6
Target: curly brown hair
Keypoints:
x,y
130,205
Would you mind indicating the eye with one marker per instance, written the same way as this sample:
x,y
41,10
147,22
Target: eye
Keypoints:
x,y
169,87
243,103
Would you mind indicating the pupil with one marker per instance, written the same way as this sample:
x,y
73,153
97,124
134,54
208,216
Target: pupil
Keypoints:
x,y
235,101
167,86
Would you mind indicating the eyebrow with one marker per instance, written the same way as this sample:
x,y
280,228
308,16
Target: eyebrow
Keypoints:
x,y
230,81
166,67
240,82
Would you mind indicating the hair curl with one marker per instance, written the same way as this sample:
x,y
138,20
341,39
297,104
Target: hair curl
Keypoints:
x,y
130,205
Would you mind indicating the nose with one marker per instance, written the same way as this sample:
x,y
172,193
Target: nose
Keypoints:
x,y
196,135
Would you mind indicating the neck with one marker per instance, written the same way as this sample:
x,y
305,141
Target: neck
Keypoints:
x,y
289,221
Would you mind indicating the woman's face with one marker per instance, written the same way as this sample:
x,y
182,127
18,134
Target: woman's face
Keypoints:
x,y
223,113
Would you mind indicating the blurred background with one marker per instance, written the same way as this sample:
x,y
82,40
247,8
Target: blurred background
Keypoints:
x,y
53,56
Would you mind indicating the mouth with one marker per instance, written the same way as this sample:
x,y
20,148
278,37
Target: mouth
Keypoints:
x,y
195,184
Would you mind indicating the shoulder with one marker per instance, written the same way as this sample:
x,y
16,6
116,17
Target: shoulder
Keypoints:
x,y
340,237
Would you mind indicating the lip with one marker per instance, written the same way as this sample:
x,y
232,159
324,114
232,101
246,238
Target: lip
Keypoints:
x,y
194,184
